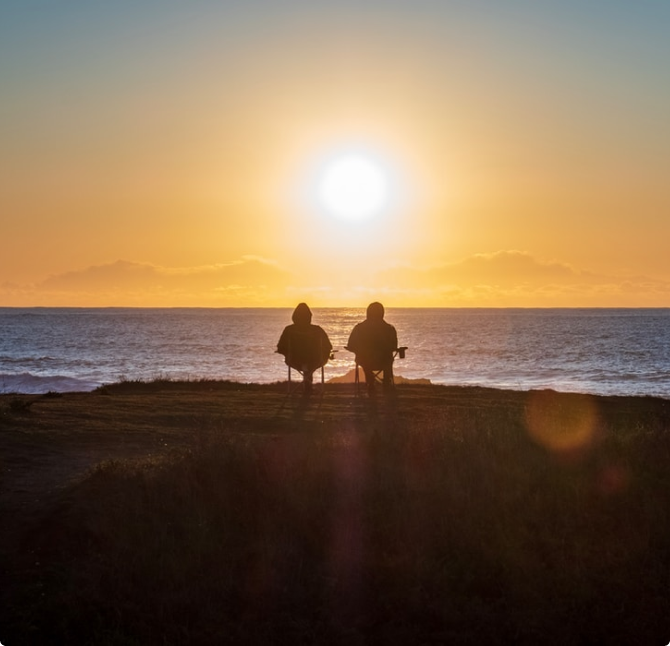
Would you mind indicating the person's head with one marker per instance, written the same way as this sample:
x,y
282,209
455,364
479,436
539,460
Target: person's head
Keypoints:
x,y
302,315
375,312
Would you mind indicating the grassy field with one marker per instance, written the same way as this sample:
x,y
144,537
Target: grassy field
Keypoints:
x,y
218,513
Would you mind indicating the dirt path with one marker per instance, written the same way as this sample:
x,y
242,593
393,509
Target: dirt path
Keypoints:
x,y
32,475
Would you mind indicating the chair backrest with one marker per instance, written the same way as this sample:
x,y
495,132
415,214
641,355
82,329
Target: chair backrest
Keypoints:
x,y
374,343
306,348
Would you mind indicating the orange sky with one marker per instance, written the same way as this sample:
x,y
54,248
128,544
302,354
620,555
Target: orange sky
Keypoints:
x,y
154,154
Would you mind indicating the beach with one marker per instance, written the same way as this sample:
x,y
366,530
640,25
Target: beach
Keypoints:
x,y
210,512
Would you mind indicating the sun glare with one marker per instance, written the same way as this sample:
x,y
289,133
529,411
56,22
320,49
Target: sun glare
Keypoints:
x,y
353,186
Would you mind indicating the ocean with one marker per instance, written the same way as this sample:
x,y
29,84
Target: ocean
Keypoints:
x,y
599,351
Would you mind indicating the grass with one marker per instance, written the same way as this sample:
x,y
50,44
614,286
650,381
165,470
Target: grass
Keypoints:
x,y
449,516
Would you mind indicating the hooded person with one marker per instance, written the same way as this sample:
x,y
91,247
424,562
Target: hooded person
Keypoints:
x,y
306,347
374,342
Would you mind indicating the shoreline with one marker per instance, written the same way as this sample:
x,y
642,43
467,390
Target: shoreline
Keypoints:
x,y
61,384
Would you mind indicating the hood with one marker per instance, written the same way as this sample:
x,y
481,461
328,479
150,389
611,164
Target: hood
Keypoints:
x,y
375,312
302,314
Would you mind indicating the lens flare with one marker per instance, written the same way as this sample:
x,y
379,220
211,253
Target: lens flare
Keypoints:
x,y
562,423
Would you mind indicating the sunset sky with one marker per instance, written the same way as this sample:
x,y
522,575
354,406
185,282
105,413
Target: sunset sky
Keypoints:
x,y
165,153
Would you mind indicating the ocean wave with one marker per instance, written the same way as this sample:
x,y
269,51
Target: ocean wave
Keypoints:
x,y
26,359
30,384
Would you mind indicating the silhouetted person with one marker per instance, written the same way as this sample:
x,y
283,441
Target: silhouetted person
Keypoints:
x,y
374,342
305,347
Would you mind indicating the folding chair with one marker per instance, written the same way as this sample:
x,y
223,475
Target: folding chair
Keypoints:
x,y
300,361
378,373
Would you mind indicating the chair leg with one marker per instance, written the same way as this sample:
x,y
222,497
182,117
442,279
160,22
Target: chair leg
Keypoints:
x,y
306,386
291,385
382,377
388,382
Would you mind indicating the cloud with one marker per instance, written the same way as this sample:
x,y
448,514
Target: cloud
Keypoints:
x,y
494,269
501,279
516,278
136,275
248,281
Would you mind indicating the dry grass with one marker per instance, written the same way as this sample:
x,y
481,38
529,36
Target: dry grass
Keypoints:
x,y
214,513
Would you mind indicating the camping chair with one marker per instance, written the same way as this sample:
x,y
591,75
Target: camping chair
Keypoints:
x,y
302,354
378,373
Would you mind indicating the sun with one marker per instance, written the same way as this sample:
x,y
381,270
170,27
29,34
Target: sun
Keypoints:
x,y
353,186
